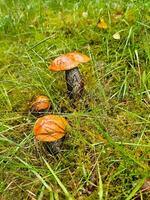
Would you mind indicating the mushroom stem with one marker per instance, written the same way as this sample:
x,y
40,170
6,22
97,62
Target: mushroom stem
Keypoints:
x,y
75,83
54,147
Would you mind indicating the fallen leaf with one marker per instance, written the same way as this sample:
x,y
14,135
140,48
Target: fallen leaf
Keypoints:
x,y
101,139
85,14
102,24
116,36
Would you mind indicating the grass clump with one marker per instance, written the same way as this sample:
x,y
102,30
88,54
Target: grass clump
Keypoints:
x,y
106,151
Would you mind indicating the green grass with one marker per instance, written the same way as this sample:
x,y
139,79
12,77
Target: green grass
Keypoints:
x,y
106,153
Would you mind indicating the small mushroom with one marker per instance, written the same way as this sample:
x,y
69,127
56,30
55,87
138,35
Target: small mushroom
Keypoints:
x,y
69,63
40,104
50,130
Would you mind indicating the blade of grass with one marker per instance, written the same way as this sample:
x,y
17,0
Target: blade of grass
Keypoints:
x,y
42,41
5,139
56,197
48,187
40,197
127,41
100,184
6,97
134,114
133,144
67,194
134,191
18,146
43,85
120,149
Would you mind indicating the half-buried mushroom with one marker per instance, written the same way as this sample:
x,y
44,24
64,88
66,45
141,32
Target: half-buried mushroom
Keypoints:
x,y
69,63
51,130
40,105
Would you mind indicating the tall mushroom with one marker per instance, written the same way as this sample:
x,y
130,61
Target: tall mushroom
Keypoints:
x,y
69,63
51,130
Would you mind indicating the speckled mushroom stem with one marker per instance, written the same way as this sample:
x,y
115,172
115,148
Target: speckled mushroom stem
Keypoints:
x,y
75,83
54,147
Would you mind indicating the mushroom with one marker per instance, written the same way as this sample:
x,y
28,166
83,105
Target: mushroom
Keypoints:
x,y
40,104
50,130
69,63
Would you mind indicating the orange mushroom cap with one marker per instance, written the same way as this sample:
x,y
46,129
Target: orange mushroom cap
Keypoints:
x,y
68,61
50,128
40,103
